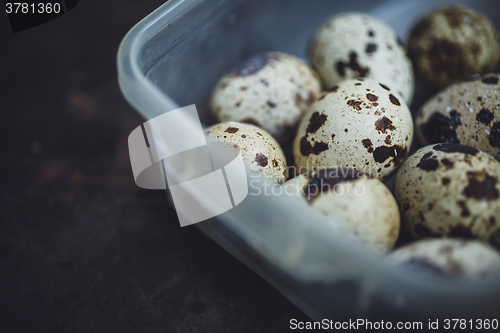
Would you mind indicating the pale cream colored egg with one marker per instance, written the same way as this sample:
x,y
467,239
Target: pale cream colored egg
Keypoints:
x,y
467,112
258,148
450,190
447,257
271,90
351,45
358,124
354,202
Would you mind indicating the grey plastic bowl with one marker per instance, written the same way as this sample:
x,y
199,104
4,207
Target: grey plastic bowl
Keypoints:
x,y
173,58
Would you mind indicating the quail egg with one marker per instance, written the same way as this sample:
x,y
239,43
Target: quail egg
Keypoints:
x,y
467,112
450,190
353,45
355,202
359,124
451,43
447,257
258,148
271,90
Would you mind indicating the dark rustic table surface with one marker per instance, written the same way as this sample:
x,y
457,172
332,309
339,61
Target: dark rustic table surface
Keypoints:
x,y
82,248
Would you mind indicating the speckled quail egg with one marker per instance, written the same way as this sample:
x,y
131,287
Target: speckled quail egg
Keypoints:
x,y
451,43
447,257
450,190
358,124
353,45
467,112
258,148
356,203
271,90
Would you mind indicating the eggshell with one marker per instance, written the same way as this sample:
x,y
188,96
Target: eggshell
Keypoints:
x,y
451,43
448,258
467,112
258,148
354,202
450,190
351,45
271,90
358,124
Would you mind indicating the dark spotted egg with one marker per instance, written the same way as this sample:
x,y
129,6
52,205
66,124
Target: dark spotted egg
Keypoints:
x,y
258,148
360,124
450,190
353,202
449,258
351,45
451,43
467,112
271,90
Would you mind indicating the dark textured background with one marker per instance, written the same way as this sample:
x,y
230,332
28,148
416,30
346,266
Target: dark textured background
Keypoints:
x,y
81,247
